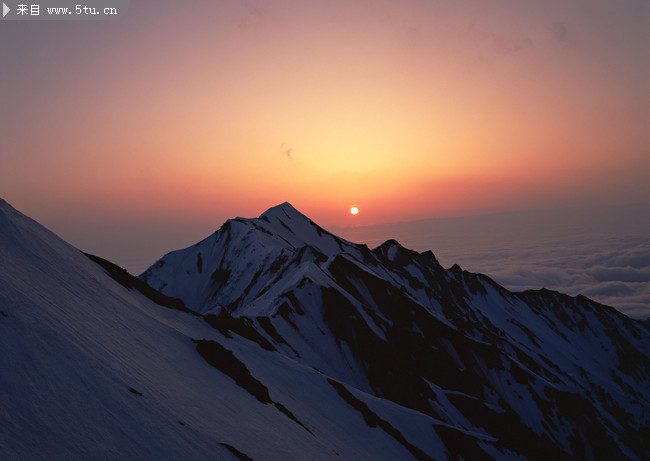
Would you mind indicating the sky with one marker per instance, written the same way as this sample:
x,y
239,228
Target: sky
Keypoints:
x,y
156,127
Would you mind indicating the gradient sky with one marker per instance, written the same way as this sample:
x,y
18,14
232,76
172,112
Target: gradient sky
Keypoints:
x,y
183,114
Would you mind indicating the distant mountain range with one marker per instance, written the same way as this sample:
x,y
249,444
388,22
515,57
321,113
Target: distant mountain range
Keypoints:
x,y
275,339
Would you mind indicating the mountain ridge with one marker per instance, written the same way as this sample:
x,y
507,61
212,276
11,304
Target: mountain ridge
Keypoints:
x,y
359,296
295,344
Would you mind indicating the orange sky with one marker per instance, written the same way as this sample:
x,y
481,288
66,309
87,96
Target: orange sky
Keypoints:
x,y
194,113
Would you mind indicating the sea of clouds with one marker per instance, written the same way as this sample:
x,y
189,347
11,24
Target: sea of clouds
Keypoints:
x,y
600,252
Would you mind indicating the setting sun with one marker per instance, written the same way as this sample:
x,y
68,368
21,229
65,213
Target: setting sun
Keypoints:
x,y
354,210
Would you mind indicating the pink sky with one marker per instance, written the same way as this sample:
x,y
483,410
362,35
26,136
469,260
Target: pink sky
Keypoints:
x,y
183,115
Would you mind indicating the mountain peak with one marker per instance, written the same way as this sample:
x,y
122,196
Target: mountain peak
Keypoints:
x,y
283,211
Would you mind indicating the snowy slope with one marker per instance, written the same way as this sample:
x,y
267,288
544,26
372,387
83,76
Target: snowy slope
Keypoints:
x,y
214,273
536,373
90,369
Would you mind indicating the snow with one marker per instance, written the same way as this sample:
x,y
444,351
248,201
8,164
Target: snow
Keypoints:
x,y
90,369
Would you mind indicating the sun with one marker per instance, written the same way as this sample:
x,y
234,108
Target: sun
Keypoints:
x,y
354,210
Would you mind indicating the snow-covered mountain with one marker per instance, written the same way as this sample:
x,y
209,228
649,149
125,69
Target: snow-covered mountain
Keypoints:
x,y
274,339
536,373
